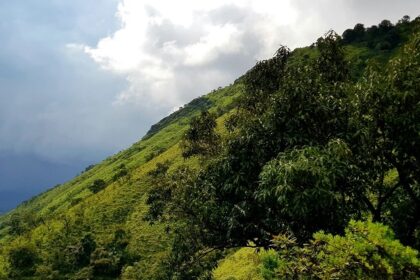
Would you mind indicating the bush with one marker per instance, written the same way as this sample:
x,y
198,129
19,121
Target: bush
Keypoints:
x,y
97,186
156,151
23,259
366,251
121,172
47,272
85,273
104,263
4,268
201,137
75,201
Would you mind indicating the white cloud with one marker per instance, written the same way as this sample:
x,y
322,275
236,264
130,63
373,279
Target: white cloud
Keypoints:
x,y
172,51
218,40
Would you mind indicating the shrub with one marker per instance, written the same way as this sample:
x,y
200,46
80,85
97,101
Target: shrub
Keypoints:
x,y
366,251
121,172
104,262
97,186
23,259
85,273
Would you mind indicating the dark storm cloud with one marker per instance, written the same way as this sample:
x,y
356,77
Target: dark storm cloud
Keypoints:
x,y
56,105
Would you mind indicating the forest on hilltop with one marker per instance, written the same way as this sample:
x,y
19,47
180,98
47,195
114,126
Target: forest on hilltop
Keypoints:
x,y
306,167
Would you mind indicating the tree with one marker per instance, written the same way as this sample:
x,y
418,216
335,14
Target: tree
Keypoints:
x,y
219,207
356,34
23,259
309,189
21,222
122,172
331,64
404,20
311,155
105,263
348,36
359,30
385,26
201,137
385,138
161,194
263,80
84,249
97,186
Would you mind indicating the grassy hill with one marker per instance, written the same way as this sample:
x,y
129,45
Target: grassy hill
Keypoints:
x,y
74,208
94,227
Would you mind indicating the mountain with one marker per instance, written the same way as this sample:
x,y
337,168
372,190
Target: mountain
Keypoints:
x,y
187,199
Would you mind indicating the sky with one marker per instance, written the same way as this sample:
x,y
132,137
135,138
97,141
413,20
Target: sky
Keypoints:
x,y
83,79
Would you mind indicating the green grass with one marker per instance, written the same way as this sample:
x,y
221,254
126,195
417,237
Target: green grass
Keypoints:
x,y
240,265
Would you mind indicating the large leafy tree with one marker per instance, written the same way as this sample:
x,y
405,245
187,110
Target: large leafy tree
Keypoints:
x,y
387,137
309,149
201,138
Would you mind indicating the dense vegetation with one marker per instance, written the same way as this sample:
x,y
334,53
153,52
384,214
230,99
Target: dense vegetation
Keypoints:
x,y
307,167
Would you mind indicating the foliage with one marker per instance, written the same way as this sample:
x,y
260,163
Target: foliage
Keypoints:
x,y
19,223
308,150
122,172
366,251
87,247
47,272
85,273
4,268
264,79
104,263
23,259
305,190
97,186
201,137
240,265
331,64
382,37
227,187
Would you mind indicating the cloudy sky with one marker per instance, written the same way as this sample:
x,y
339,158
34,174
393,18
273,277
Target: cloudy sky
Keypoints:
x,y
82,79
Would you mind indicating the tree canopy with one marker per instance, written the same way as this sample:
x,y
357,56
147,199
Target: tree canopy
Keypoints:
x,y
310,148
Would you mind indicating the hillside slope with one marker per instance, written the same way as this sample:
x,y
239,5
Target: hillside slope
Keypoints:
x,y
72,209
93,227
